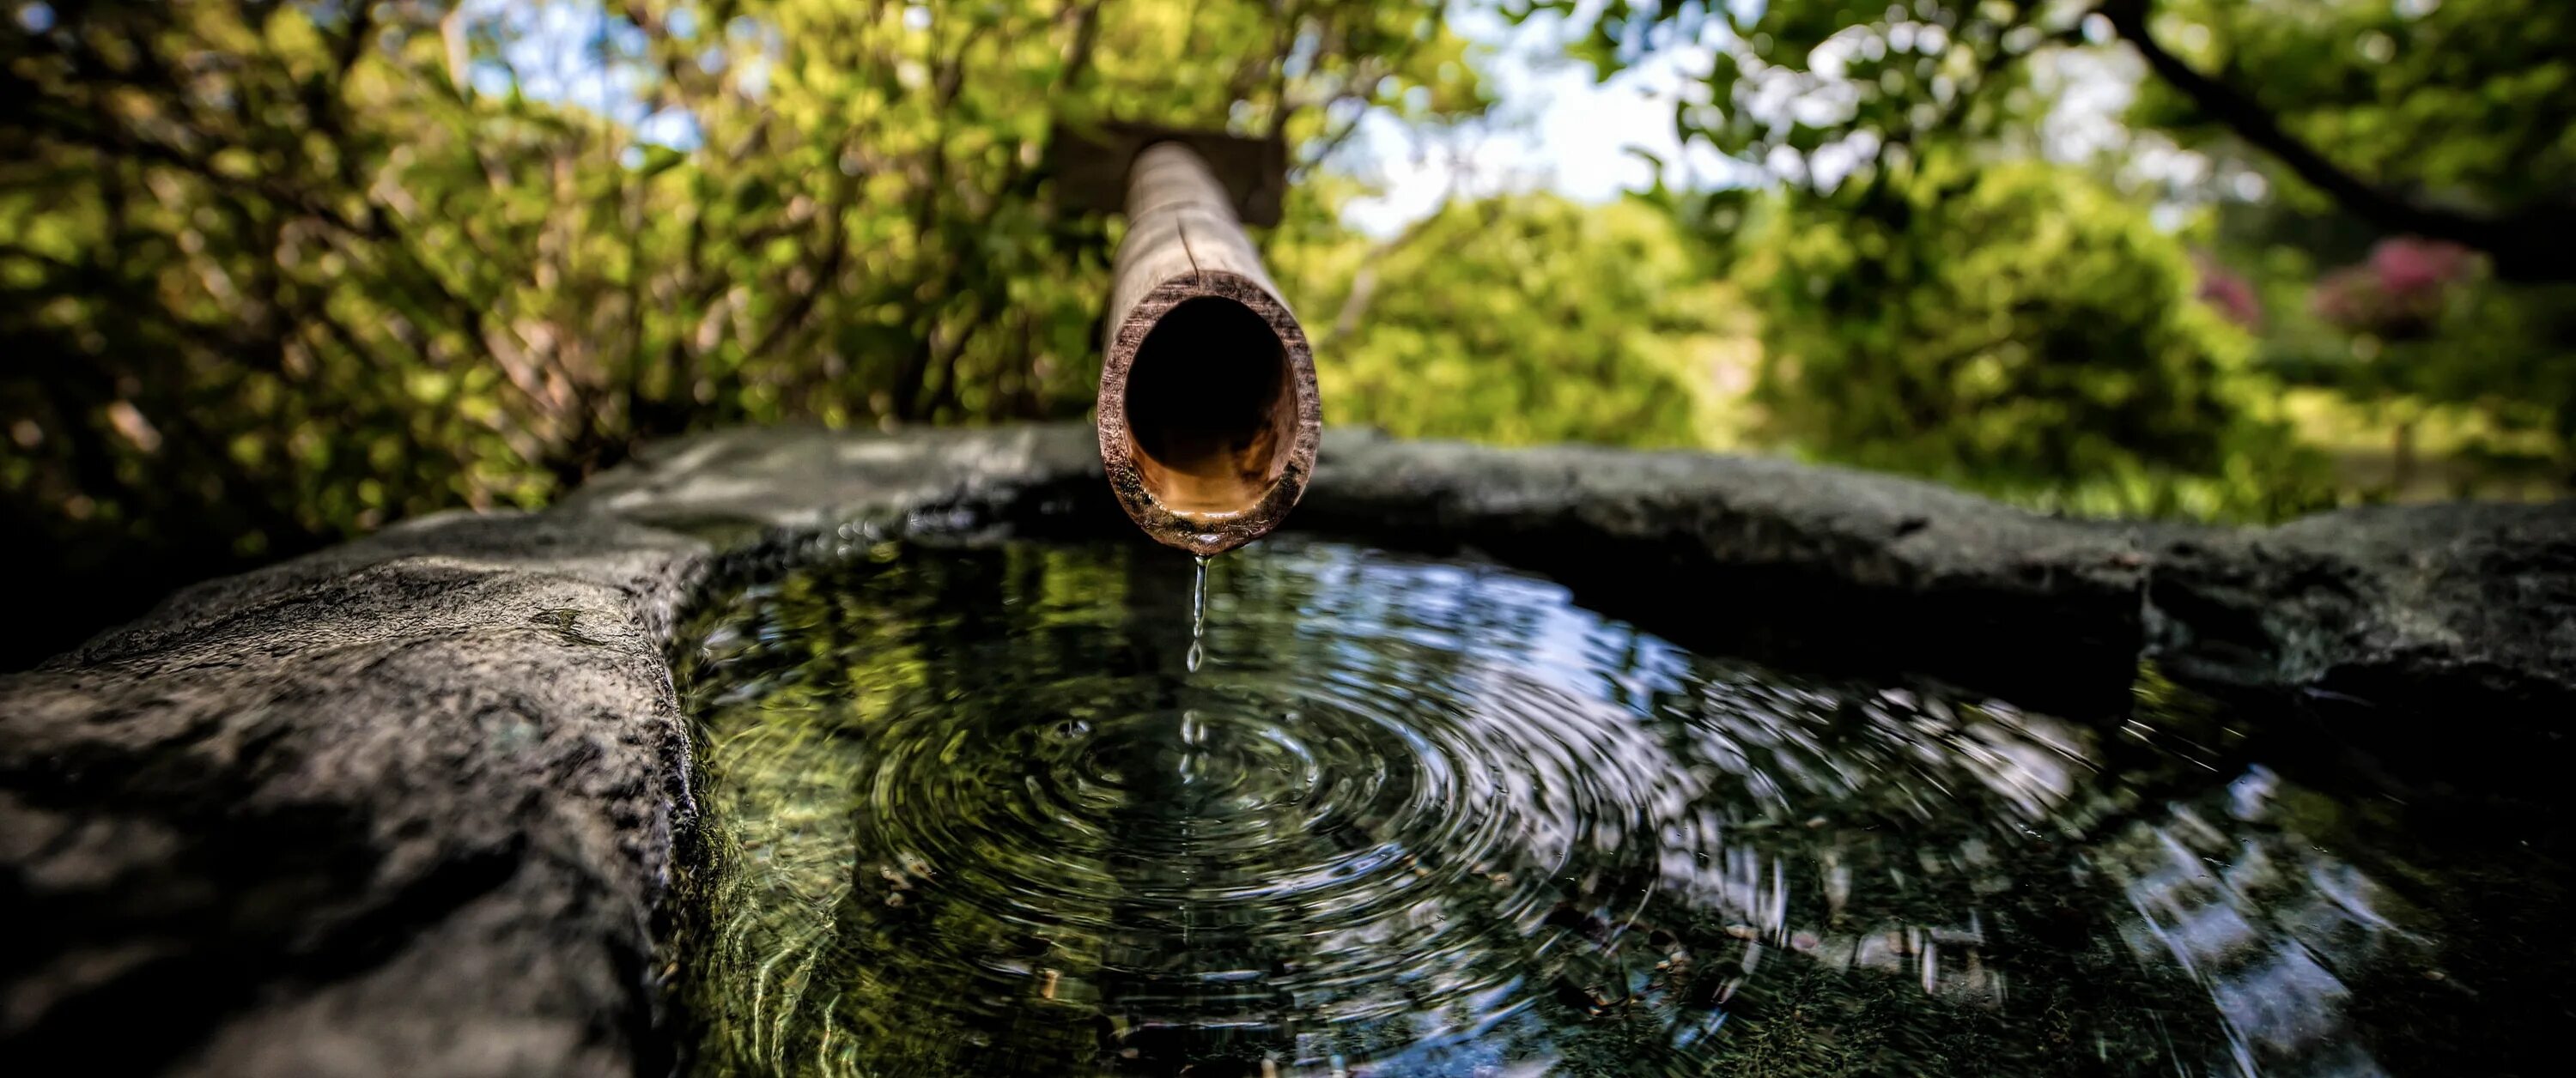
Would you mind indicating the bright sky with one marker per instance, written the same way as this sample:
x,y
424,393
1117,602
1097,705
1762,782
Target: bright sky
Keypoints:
x,y
1553,127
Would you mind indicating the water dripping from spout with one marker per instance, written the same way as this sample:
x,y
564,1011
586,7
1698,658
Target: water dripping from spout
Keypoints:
x,y
1198,614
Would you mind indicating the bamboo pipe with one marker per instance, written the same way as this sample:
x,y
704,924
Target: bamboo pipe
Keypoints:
x,y
1208,412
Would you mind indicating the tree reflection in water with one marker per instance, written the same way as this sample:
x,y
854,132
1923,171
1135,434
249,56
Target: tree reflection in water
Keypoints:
x,y
971,814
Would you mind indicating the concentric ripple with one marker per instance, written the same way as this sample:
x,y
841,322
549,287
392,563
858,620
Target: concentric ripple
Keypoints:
x,y
1348,827
979,814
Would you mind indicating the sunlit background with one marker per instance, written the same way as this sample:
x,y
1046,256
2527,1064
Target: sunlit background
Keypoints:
x,y
277,273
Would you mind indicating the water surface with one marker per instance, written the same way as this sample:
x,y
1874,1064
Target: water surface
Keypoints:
x,y
973,812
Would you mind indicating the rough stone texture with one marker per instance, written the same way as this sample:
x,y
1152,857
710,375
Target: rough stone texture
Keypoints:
x,y
794,479
2391,621
401,807
407,806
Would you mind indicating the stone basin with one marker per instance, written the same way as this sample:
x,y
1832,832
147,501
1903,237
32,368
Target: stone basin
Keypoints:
x,y
413,804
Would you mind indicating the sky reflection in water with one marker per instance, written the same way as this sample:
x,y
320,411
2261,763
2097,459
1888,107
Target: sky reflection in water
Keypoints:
x,y
975,816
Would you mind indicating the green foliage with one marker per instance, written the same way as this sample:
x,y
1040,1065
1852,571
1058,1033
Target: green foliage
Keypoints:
x,y
2468,104
1935,301
2472,99
278,272
1519,319
2014,327
2370,121
2448,115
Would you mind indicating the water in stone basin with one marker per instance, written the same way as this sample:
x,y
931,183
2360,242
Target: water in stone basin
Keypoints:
x,y
971,812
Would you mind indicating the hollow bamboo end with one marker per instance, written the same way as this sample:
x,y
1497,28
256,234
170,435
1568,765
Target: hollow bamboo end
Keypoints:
x,y
1208,413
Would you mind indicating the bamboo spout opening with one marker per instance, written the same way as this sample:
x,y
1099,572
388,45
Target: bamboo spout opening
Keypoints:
x,y
1208,414
1211,409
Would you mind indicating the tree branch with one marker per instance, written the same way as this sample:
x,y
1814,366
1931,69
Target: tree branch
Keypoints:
x,y
2529,245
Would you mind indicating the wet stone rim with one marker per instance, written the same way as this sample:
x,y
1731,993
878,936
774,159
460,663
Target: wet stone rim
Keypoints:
x,y
411,804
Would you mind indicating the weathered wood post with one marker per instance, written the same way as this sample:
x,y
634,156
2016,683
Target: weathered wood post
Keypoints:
x,y
1208,412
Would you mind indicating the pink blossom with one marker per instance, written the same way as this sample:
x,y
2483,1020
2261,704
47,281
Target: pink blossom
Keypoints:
x,y
2408,266
2399,292
2229,294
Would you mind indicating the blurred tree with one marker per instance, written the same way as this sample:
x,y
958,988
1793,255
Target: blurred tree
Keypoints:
x,y
278,271
1519,319
2441,118
2014,326
2396,139
2417,334
2359,120
2446,119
